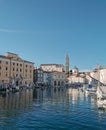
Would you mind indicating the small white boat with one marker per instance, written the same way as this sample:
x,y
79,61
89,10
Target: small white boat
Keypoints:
x,y
90,90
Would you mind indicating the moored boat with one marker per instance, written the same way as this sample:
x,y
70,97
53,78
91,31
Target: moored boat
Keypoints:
x,y
90,89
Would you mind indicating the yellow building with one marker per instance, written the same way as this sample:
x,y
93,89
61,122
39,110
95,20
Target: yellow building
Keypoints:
x,y
13,69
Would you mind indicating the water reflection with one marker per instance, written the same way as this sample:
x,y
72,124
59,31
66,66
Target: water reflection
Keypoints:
x,y
73,94
24,99
15,101
38,97
49,94
51,108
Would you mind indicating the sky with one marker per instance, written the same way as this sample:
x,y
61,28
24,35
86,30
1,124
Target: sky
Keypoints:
x,y
44,31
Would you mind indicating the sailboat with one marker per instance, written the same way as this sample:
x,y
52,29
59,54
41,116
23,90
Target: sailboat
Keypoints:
x,y
101,94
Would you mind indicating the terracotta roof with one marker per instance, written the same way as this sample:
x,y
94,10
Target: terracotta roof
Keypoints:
x,y
47,72
57,72
1,56
5,57
73,75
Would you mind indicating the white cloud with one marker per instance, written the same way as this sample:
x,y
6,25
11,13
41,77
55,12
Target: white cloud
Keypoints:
x,y
11,31
6,30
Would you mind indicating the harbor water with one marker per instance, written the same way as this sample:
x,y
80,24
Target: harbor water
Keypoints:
x,y
50,109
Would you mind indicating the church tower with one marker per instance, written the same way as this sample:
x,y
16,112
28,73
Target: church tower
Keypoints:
x,y
67,64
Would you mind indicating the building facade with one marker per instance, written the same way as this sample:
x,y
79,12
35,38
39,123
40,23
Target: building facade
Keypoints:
x,y
58,79
15,70
52,67
99,74
47,79
103,75
38,76
72,79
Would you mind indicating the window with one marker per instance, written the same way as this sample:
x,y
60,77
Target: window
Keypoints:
x,y
13,69
20,70
0,67
17,69
0,61
13,63
21,65
17,64
6,68
16,75
7,62
26,66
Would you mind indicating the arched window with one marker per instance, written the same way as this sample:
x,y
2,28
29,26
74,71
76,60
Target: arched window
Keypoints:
x,y
55,83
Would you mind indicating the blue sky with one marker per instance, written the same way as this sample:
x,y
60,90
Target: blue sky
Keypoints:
x,y
43,31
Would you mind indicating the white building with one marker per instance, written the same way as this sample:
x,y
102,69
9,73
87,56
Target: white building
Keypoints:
x,y
52,67
103,75
76,79
99,75
58,78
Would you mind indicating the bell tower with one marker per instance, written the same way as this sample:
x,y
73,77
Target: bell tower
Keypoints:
x,y
67,65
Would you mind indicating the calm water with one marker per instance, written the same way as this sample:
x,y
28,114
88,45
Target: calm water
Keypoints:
x,y
50,109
